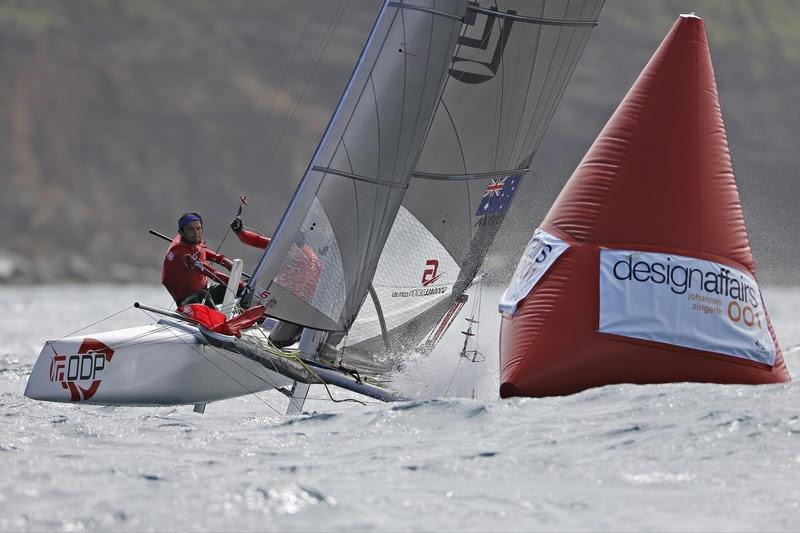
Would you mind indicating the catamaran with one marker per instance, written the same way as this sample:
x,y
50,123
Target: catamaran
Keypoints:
x,y
387,230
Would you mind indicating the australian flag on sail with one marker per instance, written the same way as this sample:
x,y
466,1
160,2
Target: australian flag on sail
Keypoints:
x,y
498,195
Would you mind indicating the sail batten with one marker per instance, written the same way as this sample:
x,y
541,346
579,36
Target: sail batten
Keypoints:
x,y
476,176
356,177
533,20
415,7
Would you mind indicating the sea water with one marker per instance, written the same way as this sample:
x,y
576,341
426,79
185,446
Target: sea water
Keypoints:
x,y
677,457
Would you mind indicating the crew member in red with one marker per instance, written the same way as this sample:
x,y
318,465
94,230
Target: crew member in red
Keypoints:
x,y
186,271
247,236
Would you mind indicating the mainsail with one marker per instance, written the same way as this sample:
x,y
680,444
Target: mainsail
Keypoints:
x,y
316,271
418,166
510,68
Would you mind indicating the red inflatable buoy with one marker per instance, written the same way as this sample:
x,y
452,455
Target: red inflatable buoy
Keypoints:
x,y
642,271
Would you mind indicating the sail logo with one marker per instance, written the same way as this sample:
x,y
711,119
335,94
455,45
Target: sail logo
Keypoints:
x,y
81,373
540,253
683,301
430,274
474,55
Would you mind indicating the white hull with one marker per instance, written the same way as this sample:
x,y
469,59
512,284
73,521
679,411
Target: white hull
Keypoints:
x,y
160,364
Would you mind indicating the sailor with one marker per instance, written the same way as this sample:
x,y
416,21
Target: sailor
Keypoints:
x,y
186,270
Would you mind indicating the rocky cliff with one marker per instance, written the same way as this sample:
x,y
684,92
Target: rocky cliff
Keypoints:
x,y
117,116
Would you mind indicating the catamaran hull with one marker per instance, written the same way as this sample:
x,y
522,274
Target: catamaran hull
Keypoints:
x,y
159,364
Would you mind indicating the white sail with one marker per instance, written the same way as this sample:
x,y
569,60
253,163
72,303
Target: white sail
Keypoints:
x,y
323,255
511,66
405,293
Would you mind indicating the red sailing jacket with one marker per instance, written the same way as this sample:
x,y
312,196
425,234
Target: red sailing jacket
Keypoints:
x,y
179,275
251,238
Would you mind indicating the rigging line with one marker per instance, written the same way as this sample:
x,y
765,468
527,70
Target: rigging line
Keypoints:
x,y
93,324
242,385
219,247
291,58
128,342
477,304
263,378
453,377
269,344
125,342
541,93
527,92
321,51
571,70
553,97
544,84
343,400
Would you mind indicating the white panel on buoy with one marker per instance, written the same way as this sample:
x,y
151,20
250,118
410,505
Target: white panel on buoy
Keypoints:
x,y
683,301
541,252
